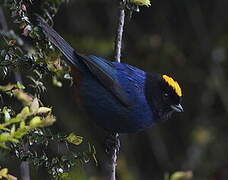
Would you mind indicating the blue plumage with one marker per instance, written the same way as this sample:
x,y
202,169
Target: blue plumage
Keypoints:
x,y
107,110
118,97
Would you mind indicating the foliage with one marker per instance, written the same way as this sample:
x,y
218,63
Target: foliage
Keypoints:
x,y
41,54
55,152
4,174
32,116
22,128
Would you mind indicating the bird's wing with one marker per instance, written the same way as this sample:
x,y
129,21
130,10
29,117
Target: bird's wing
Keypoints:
x,y
105,72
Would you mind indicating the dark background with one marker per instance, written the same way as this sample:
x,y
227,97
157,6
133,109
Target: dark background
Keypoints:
x,y
185,39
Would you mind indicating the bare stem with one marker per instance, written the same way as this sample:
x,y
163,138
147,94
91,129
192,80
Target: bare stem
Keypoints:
x,y
24,167
113,151
119,32
118,44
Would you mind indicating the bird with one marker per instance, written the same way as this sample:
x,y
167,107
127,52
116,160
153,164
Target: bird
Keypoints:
x,y
118,97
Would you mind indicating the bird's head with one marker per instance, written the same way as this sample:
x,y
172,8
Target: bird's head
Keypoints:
x,y
166,96
171,94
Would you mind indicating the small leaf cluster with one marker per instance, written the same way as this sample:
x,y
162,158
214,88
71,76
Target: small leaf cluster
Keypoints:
x,y
57,153
133,5
39,53
11,52
24,134
14,126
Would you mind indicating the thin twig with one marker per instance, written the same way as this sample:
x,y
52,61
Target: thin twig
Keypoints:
x,y
24,167
113,151
119,32
118,44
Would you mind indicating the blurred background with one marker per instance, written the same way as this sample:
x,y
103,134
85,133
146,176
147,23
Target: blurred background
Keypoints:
x,y
185,39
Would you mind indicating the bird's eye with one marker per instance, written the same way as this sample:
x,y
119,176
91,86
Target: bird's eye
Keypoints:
x,y
166,95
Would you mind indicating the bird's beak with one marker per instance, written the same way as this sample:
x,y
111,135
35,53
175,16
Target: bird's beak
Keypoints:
x,y
177,108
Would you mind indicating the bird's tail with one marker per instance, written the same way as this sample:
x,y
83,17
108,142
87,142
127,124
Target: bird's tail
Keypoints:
x,y
58,41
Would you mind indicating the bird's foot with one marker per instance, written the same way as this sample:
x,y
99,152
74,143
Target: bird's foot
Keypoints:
x,y
112,143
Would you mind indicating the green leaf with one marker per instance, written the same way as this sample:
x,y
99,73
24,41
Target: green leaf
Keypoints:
x,y
21,116
74,139
3,173
19,86
20,133
22,96
10,177
56,82
182,175
141,2
34,105
35,122
22,125
64,175
12,130
4,137
10,87
43,110
3,145
2,127
6,114
49,120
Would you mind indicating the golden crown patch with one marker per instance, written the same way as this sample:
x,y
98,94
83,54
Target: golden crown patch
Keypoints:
x,y
173,84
